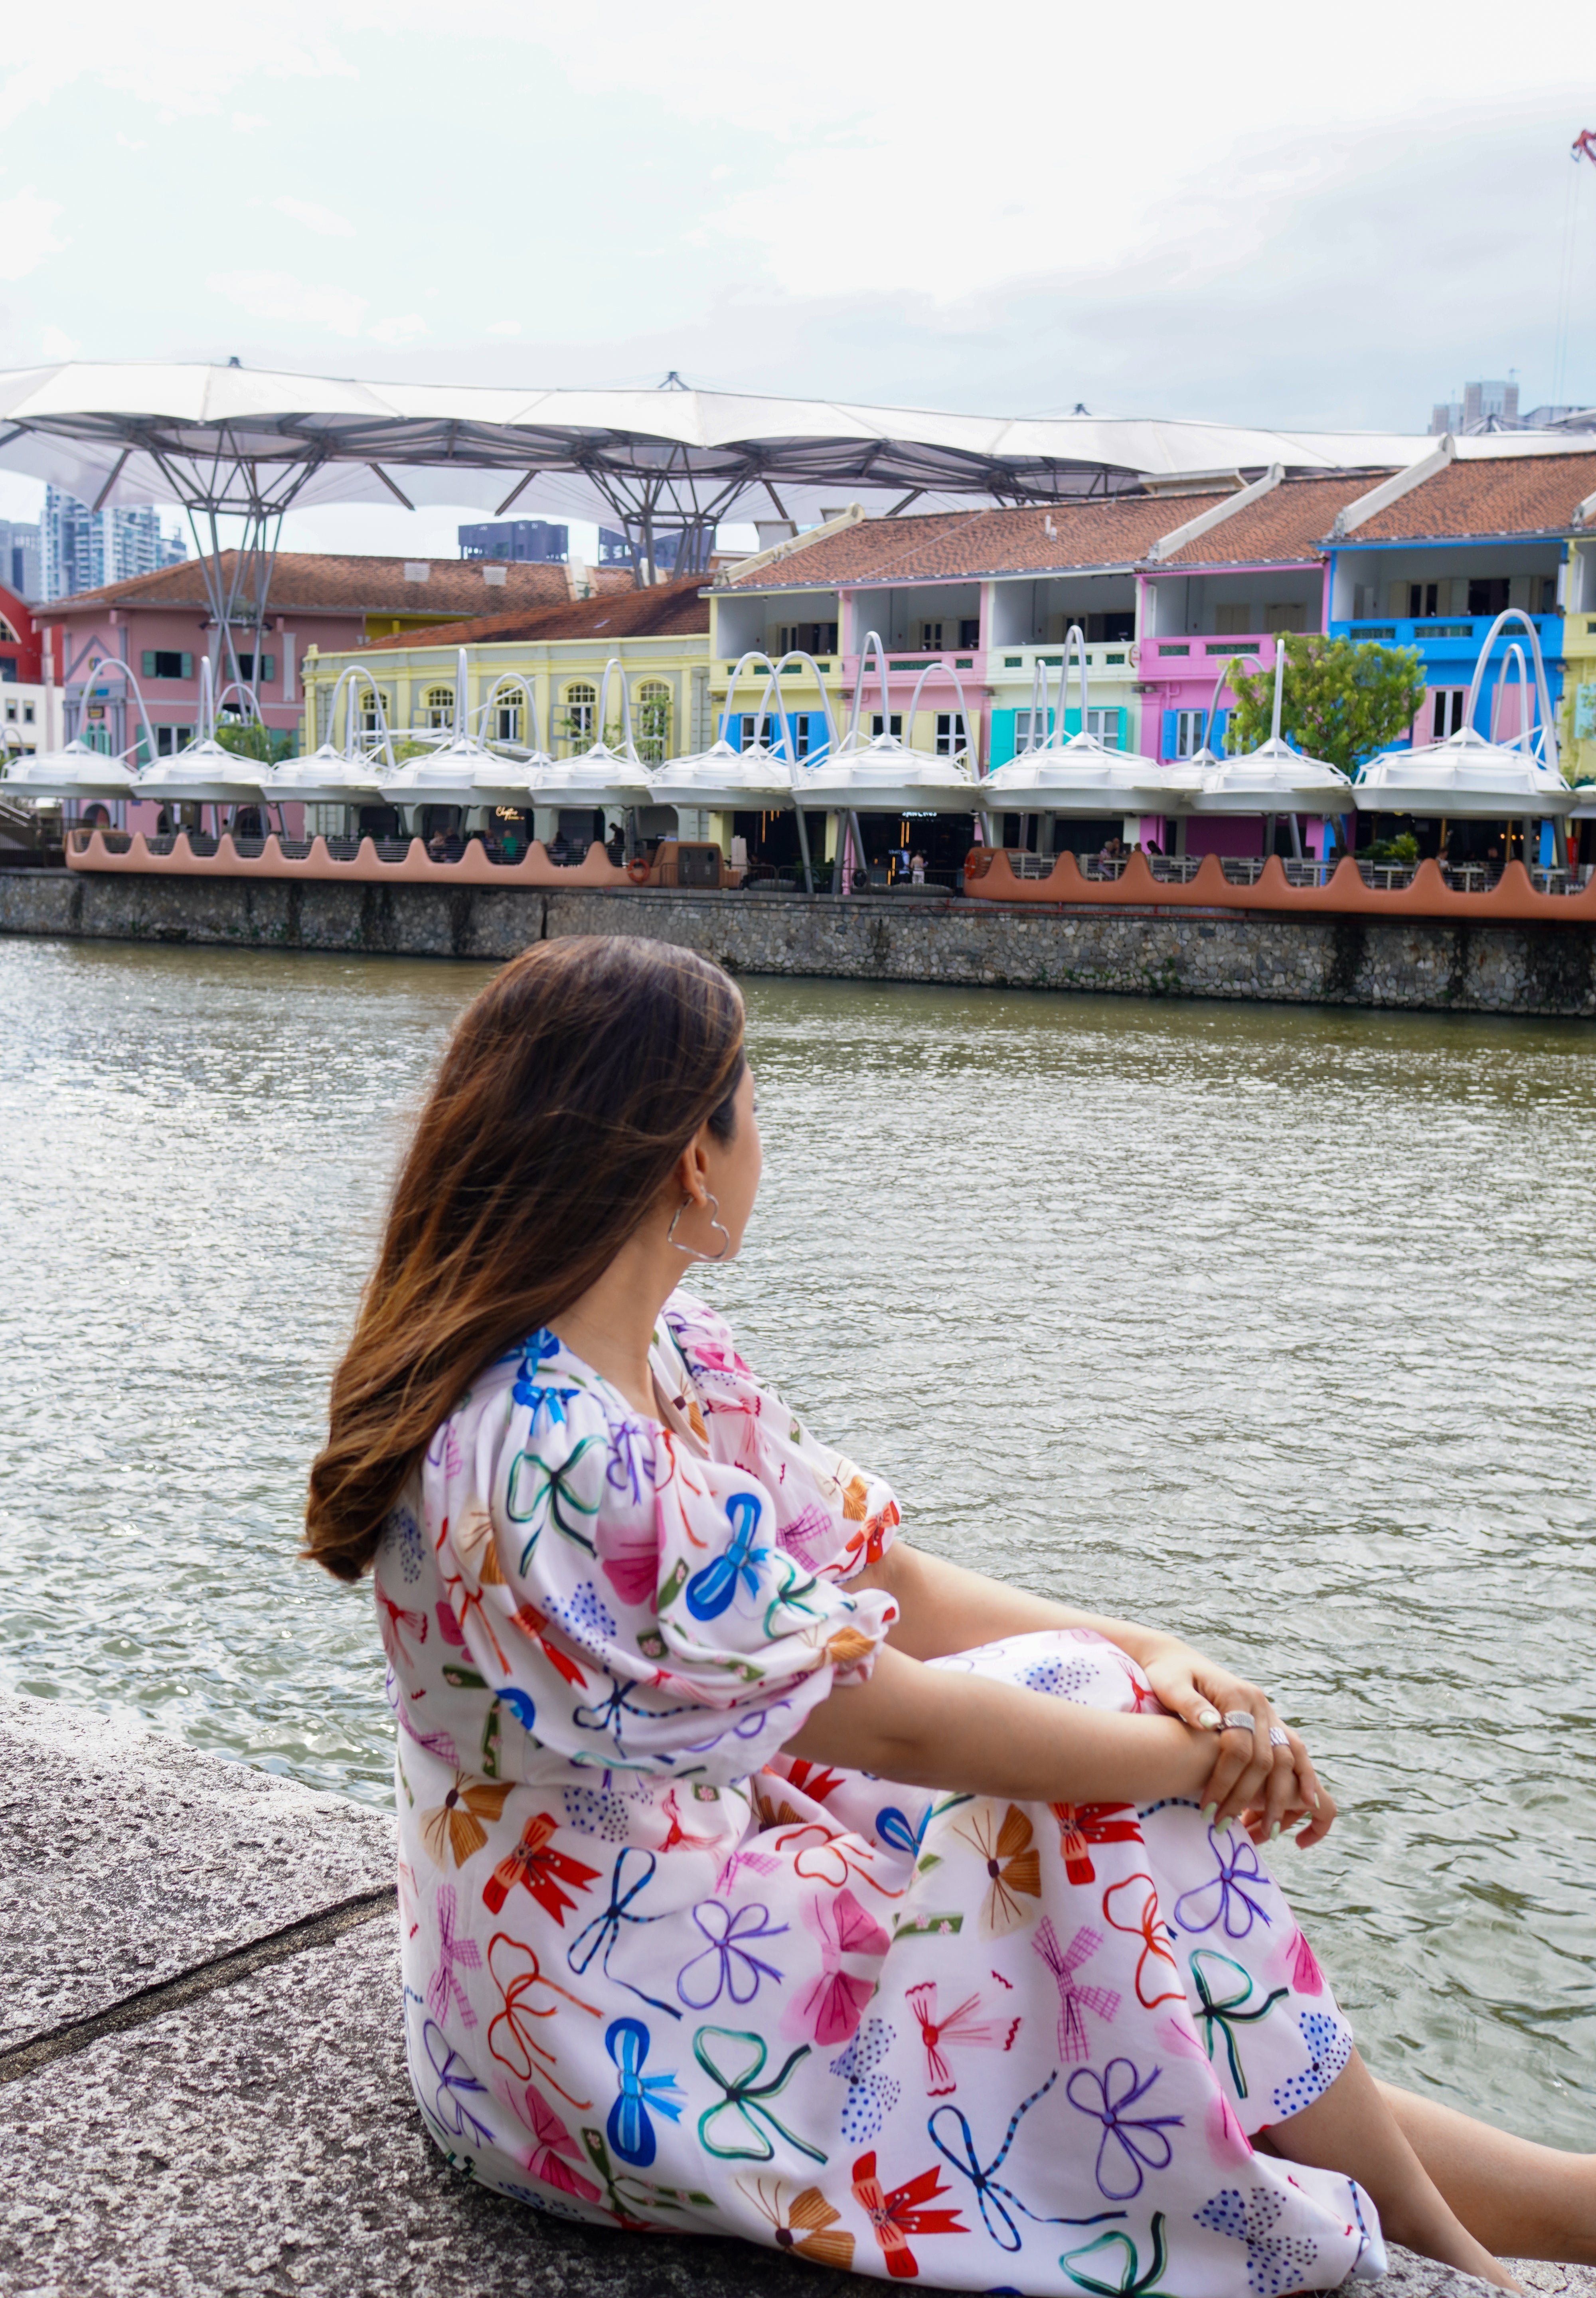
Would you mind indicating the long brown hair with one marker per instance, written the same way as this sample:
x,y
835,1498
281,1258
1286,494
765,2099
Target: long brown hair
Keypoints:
x,y
570,1087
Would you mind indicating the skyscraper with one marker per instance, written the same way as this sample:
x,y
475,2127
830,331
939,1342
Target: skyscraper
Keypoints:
x,y
19,568
81,548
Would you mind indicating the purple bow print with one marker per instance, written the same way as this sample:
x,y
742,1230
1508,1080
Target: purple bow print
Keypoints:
x,y
728,1964
1129,2141
1226,1897
455,2085
1073,1999
443,1985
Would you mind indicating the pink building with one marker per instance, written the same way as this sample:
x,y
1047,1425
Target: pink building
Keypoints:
x,y
162,626
1252,569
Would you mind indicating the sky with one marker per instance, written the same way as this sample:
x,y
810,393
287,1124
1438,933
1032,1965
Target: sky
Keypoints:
x,y
1319,218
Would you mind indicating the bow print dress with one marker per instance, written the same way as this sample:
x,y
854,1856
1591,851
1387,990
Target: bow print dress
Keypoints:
x,y
658,1975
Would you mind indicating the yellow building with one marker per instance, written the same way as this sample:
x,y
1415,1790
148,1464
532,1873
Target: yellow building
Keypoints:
x,y
1577,730
659,637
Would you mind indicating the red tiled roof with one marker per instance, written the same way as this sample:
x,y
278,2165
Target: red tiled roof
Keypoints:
x,y
943,546
1283,528
340,582
669,610
1510,494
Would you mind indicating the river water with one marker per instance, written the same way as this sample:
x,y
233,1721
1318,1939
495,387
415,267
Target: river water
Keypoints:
x,y
1274,1325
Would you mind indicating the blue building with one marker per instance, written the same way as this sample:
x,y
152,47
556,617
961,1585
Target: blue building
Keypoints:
x,y
1430,557
524,540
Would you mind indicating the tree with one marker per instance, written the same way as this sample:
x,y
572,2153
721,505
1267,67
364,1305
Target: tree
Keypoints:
x,y
1342,701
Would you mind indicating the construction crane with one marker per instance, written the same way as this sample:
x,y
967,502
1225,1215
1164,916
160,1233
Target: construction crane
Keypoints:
x,y
1584,147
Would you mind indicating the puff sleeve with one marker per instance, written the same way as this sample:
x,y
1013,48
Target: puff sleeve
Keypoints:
x,y
830,1516
632,1604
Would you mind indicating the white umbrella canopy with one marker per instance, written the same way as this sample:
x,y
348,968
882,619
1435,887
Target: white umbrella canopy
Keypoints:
x,y
758,780
76,772
208,775
324,777
1274,778
885,774
600,775
1077,774
1468,777
1465,777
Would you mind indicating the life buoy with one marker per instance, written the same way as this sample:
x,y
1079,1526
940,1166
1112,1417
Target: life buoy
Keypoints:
x,y
637,870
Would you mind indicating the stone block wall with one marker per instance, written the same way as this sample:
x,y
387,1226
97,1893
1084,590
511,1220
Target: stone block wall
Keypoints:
x,y
1414,963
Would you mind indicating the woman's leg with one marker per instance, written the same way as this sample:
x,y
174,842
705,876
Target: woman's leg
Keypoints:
x,y
1351,2129
1521,2199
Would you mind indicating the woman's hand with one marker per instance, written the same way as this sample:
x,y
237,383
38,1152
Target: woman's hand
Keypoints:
x,y
1265,1785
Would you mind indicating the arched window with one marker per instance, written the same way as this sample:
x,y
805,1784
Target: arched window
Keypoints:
x,y
439,706
651,717
7,634
581,703
507,719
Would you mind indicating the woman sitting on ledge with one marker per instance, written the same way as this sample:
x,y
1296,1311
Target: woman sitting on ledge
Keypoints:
x,y
761,1873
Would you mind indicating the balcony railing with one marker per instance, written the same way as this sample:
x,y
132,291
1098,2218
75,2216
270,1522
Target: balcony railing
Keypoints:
x,y
1103,655
1455,634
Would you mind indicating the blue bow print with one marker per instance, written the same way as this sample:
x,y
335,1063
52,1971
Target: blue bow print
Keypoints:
x,y
1128,2140
893,1827
1225,1898
710,1590
598,1938
630,2131
728,1935
606,1714
991,2193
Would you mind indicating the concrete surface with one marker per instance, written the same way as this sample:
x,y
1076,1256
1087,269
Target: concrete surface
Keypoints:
x,y
201,2086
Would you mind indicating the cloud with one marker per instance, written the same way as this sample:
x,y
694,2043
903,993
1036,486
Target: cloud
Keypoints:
x,y
183,55
27,234
399,330
56,346
247,123
314,218
279,295
132,143
504,327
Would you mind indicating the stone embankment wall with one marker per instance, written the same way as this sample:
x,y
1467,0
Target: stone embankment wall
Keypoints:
x,y
1528,968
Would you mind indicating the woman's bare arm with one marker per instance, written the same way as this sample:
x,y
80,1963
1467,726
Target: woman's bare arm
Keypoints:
x,y
929,1727
944,1609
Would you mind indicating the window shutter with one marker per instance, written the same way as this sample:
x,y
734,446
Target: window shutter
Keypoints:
x,y
188,665
1171,738
147,663
1003,738
268,668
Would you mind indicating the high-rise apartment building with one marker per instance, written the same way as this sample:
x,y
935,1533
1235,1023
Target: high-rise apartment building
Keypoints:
x,y
19,565
523,540
1484,407
81,548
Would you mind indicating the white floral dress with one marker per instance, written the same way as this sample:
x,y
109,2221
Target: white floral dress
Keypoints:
x,y
658,1975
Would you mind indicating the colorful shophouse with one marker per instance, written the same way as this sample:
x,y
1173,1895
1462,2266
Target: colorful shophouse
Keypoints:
x,y
1431,556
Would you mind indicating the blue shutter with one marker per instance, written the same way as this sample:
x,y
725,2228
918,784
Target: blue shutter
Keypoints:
x,y
1168,734
1003,738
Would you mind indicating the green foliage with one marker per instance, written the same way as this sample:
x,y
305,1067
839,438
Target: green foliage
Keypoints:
x,y
1401,848
1343,701
246,739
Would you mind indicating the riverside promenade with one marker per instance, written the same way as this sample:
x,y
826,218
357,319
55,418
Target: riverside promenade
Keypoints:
x,y
201,2085
1416,963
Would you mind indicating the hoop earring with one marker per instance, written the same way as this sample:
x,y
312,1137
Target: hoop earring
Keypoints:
x,y
692,1250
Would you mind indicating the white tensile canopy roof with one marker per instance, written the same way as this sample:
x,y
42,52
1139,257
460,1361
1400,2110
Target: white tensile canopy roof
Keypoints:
x,y
76,772
1274,778
1469,776
599,775
1077,774
884,774
207,773
253,440
758,780
324,777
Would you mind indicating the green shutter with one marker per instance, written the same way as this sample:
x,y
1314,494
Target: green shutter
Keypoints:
x,y
188,665
148,658
268,668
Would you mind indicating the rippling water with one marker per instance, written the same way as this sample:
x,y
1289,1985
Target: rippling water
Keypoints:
x,y
1274,1325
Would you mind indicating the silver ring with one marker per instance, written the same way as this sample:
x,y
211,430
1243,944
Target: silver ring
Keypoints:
x,y
1278,1739
1240,1719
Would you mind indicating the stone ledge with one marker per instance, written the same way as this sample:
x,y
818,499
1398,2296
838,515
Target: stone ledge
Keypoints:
x,y
258,2135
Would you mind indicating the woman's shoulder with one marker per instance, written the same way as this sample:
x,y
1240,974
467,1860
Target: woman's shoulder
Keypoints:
x,y
704,1337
